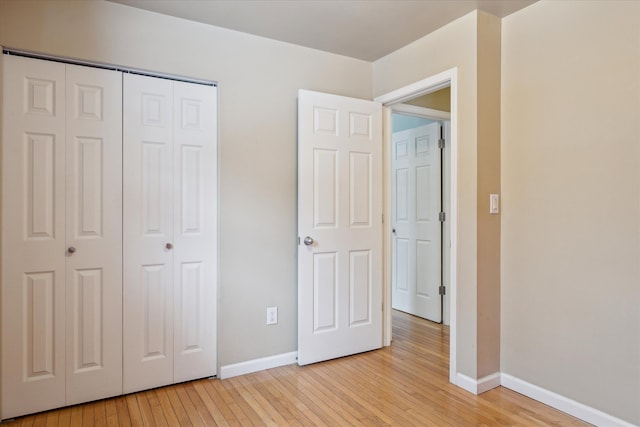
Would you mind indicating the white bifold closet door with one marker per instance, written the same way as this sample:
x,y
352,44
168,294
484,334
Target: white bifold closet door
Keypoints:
x,y
62,235
169,225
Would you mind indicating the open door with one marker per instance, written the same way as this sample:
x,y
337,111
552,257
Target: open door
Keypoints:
x,y
339,226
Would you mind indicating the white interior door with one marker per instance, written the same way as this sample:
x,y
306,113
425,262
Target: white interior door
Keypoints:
x,y
148,232
93,233
62,235
170,232
339,225
195,212
33,236
416,249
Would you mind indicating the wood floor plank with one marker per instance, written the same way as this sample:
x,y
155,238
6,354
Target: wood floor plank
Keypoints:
x,y
159,416
100,414
322,406
212,388
88,414
264,384
76,416
64,417
190,410
303,404
406,384
52,419
249,415
266,417
178,408
198,404
211,406
134,410
145,408
166,408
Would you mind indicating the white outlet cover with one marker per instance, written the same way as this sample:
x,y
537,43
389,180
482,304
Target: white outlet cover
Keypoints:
x,y
272,315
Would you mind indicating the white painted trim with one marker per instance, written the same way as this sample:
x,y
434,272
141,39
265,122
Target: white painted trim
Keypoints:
x,y
387,131
562,403
422,87
466,383
256,365
414,110
489,382
478,386
419,88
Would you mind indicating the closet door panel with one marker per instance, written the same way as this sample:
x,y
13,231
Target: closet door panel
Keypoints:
x,y
33,238
195,166
148,232
94,233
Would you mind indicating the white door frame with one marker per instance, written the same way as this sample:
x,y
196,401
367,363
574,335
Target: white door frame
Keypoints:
x,y
422,87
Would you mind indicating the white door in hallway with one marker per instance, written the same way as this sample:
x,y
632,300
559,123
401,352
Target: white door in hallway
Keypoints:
x,y
416,249
339,226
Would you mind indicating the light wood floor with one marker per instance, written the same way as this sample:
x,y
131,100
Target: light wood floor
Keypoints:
x,y
403,385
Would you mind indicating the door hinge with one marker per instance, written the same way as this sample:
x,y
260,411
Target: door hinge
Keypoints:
x,y
442,290
442,216
298,240
441,143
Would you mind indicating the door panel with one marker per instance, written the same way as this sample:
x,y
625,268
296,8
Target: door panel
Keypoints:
x,y
194,257
415,215
94,229
33,237
147,229
170,224
340,207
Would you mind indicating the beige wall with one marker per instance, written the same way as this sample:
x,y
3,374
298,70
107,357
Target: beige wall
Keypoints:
x,y
438,100
259,79
569,233
458,45
571,201
488,182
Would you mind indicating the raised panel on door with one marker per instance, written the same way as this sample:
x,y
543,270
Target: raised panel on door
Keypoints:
x,y
402,213
340,207
33,238
194,204
147,230
416,252
94,231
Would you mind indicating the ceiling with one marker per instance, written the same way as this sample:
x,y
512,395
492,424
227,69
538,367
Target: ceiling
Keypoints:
x,y
363,29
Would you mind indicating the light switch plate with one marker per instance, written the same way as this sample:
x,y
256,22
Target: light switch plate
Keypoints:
x,y
494,204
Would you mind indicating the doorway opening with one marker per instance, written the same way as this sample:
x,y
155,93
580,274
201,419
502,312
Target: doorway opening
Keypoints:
x,y
397,101
419,205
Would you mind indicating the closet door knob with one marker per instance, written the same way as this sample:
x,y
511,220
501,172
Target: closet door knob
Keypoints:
x,y
169,246
71,249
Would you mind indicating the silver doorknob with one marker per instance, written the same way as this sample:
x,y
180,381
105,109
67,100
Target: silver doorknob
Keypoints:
x,y
308,241
169,246
71,249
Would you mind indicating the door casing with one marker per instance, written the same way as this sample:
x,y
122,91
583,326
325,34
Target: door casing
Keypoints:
x,y
422,87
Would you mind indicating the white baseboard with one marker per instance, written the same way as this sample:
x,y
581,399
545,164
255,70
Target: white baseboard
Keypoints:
x,y
256,365
478,386
564,404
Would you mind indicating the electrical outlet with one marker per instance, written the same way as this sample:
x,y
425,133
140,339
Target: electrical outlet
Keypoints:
x,y
272,315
